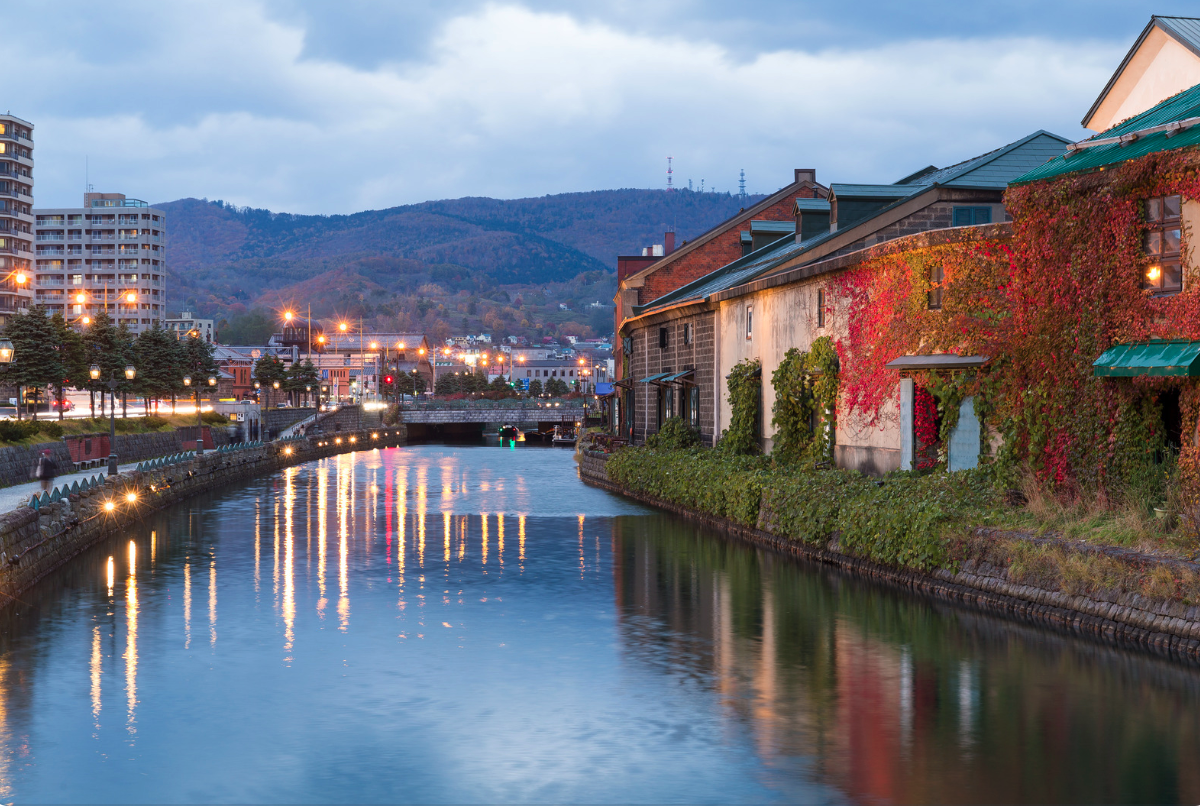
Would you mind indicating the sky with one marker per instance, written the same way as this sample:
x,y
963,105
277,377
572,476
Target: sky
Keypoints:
x,y
312,106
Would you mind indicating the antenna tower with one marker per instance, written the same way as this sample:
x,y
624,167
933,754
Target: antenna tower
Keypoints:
x,y
742,186
670,175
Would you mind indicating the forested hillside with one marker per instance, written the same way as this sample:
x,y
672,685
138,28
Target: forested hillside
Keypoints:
x,y
451,265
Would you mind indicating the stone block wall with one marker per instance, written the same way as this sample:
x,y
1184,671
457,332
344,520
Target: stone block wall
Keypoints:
x,y
649,359
279,419
33,543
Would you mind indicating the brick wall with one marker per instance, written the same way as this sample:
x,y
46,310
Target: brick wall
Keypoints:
x,y
649,359
722,250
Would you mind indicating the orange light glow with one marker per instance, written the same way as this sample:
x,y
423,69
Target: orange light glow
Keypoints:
x,y
287,315
87,320
1154,273
80,297
131,497
131,297
343,327
421,351
21,278
320,339
399,345
109,506
374,345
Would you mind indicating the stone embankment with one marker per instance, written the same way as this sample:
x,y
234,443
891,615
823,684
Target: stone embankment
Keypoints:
x,y
1162,627
35,542
16,463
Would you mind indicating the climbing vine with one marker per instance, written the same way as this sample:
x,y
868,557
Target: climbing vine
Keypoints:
x,y
1042,303
806,390
745,390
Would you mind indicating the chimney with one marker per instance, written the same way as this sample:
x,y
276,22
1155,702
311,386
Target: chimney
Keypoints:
x,y
669,242
806,175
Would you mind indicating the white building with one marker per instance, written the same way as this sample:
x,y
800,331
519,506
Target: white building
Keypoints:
x,y
186,322
109,255
16,216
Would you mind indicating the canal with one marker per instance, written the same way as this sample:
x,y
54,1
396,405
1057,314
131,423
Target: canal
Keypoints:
x,y
465,624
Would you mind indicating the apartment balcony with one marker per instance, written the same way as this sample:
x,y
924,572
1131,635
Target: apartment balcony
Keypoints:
x,y
103,250
51,250
50,236
127,237
131,249
103,236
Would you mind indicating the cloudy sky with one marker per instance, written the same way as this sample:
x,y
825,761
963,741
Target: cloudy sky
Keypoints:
x,y
324,106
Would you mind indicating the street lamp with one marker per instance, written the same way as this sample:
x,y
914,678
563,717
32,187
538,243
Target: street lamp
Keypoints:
x,y
6,351
113,383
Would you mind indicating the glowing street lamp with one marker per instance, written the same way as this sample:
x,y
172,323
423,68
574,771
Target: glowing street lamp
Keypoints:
x,y
6,351
342,326
287,316
131,297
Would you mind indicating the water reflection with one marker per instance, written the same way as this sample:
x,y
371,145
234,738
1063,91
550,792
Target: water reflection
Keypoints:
x,y
625,656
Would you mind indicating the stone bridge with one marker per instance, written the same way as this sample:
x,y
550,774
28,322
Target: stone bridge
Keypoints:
x,y
426,423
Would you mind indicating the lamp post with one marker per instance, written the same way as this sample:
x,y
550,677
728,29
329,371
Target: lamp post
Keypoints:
x,y
113,383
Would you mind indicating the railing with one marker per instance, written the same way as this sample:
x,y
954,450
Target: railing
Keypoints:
x,y
51,250
49,236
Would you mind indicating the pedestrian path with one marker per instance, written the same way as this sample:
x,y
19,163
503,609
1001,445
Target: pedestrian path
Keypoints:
x,y
19,494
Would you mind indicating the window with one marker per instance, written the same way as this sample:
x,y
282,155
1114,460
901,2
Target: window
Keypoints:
x,y
1164,273
687,333
694,408
749,322
820,307
662,338
936,276
968,216
669,399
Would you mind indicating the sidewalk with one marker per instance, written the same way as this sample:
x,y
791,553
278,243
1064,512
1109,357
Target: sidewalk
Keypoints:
x,y
19,494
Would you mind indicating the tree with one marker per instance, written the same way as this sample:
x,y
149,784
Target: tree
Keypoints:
x,y
34,364
535,388
556,387
159,358
108,348
72,357
418,382
302,375
268,370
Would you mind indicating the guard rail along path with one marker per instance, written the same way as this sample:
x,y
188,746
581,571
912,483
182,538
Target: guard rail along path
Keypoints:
x,y
1167,628
37,538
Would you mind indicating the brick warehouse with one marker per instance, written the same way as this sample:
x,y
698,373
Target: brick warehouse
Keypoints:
x,y
668,344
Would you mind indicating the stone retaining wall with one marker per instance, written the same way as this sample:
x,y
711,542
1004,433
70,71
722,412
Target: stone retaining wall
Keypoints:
x,y
279,419
1162,627
17,461
33,543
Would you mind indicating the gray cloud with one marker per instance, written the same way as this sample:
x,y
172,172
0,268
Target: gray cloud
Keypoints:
x,y
317,107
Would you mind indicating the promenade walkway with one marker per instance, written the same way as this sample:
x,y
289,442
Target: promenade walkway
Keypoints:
x,y
19,494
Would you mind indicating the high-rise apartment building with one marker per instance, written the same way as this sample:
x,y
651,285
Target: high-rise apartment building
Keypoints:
x,y
16,216
109,255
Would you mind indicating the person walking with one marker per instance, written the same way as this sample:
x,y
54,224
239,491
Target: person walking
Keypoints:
x,y
45,470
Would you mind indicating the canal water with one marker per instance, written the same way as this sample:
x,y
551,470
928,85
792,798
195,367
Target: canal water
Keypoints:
x,y
467,624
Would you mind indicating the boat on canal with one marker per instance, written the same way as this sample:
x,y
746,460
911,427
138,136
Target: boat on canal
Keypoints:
x,y
563,436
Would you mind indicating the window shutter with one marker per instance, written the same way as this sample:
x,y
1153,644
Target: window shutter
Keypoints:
x,y
983,215
962,216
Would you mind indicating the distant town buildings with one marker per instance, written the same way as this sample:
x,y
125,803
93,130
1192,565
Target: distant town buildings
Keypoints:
x,y
109,255
186,322
16,217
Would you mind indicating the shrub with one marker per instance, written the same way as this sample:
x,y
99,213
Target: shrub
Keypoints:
x,y
154,423
17,430
52,430
675,435
214,418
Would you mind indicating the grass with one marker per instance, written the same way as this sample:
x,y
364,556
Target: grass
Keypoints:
x,y
125,425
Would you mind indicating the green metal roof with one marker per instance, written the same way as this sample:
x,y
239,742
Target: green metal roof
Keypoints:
x,y
1178,107
819,205
1157,358
652,378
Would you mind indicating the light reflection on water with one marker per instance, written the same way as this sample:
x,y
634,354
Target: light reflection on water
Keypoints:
x,y
551,643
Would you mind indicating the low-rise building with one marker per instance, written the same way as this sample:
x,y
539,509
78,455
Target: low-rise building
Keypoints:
x,y
187,322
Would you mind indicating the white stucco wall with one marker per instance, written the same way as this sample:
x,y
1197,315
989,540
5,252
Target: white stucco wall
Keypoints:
x,y
786,317
1160,68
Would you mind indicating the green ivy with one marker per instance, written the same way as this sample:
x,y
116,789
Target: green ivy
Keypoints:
x,y
745,390
674,435
806,389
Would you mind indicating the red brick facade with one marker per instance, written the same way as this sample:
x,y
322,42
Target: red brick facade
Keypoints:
x,y
723,249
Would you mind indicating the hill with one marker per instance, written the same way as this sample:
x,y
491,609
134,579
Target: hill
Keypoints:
x,y
453,257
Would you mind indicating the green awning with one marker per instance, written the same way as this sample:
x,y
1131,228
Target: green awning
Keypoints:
x,y
1157,358
653,378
